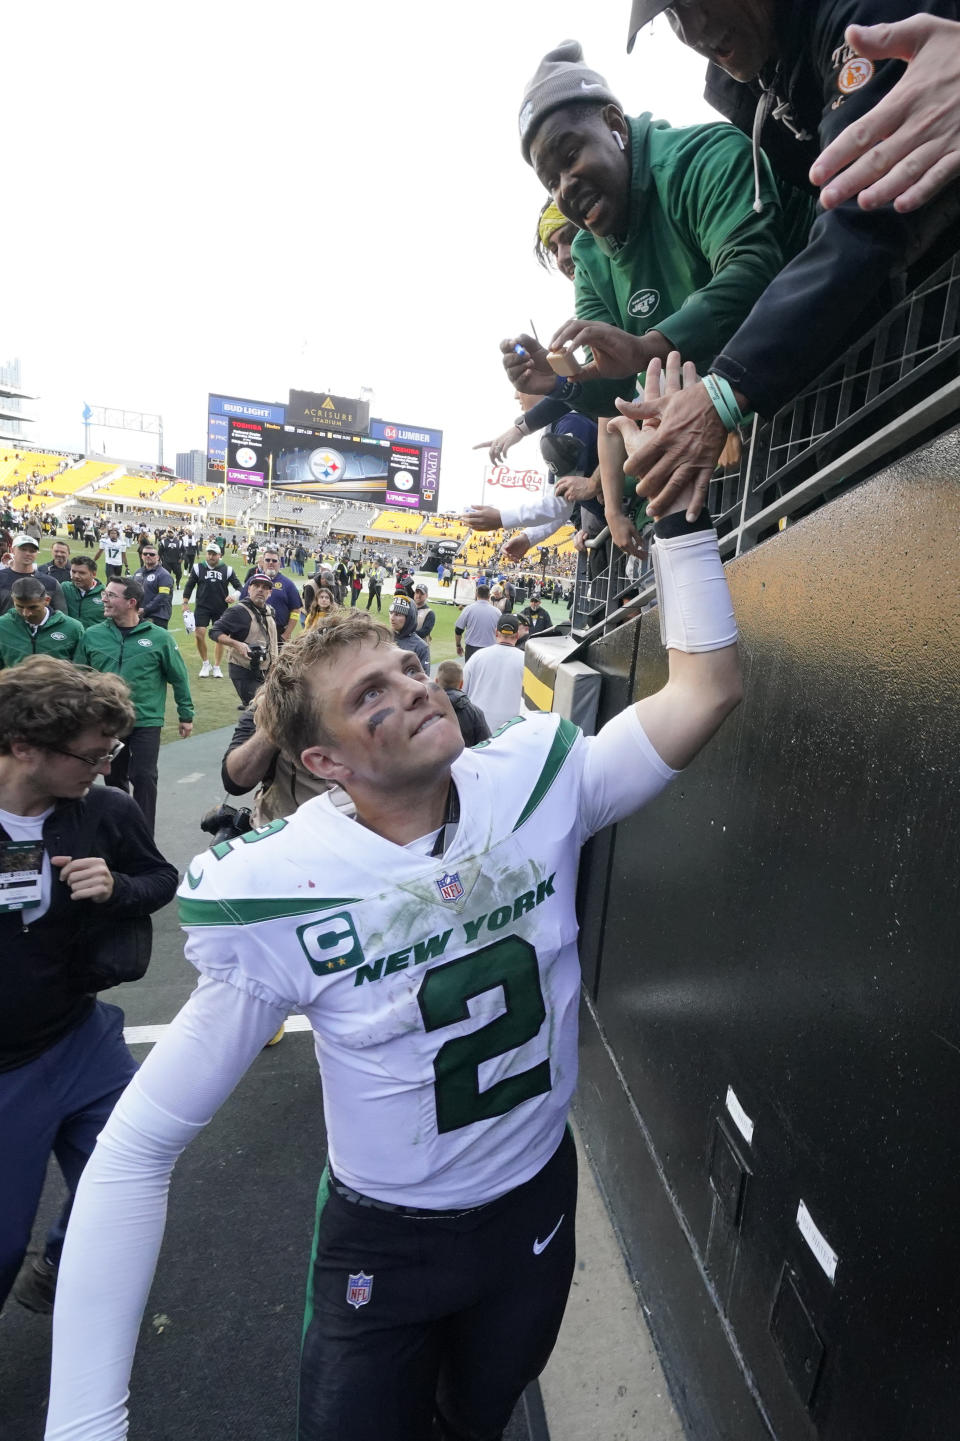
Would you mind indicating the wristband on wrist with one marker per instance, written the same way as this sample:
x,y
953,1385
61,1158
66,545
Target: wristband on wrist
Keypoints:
x,y
719,402
725,403
521,424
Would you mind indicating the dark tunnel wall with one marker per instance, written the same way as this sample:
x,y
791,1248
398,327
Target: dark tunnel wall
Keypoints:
x,y
784,923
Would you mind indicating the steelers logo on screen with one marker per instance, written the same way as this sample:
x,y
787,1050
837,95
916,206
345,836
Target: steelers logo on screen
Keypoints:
x,y
327,465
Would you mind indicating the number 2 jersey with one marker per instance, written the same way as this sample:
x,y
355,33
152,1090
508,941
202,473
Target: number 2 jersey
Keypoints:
x,y
442,991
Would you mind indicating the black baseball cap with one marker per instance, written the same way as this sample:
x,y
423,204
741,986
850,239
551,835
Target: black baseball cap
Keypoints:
x,y
264,579
509,623
641,13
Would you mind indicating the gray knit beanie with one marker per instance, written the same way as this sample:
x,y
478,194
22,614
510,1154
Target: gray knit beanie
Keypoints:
x,y
562,78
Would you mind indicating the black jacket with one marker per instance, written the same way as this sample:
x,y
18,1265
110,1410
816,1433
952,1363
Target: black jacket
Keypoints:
x,y
828,293
470,718
9,577
157,592
52,968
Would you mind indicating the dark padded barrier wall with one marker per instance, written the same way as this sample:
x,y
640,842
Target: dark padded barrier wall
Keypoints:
x,y
784,923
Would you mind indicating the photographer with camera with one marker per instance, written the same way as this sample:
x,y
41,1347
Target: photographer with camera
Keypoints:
x,y
283,784
249,632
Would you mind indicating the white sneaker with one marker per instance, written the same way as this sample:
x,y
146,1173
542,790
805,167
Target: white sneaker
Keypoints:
x,y
205,669
217,673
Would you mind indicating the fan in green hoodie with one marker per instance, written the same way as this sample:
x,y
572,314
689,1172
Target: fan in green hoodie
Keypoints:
x,y
679,237
32,628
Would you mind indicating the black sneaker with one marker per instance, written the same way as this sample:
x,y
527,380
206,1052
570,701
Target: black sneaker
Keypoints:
x,y
36,1285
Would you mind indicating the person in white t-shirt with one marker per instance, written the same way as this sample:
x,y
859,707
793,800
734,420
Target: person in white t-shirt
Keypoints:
x,y
431,943
493,677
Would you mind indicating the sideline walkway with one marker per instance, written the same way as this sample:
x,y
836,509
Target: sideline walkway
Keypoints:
x,y
219,1344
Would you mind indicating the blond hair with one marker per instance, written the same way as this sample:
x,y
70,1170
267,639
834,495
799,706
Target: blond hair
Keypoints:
x,y
288,708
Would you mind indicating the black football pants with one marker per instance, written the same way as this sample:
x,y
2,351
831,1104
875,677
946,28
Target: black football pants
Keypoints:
x,y
431,1326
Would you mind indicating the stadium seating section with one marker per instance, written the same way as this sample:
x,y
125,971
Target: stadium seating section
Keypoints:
x,y
127,487
16,465
396,522
81,476
440,528
198,497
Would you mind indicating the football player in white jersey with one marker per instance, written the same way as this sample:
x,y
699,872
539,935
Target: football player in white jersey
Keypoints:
x,y
431,942
113,548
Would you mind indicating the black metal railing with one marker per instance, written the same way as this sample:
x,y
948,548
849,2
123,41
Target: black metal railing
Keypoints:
x,y
895,388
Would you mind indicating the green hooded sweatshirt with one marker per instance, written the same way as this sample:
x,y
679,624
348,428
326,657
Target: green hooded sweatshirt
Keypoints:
x,y
146,657
86,606
696,255
58,636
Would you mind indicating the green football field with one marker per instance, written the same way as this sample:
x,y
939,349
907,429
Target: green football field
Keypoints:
x,y
215,701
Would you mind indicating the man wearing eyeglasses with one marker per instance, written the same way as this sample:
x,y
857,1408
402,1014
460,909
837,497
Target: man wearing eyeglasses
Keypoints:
x,y
285,599
147,658
79,877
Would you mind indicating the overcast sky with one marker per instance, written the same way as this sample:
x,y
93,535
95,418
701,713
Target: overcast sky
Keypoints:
x,y
243,198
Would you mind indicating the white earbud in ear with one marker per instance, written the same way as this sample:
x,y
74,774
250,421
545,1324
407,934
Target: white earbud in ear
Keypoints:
x,y
619,139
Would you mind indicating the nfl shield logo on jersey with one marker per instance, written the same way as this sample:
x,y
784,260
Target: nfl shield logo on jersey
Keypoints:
x,y
449,886
359,1289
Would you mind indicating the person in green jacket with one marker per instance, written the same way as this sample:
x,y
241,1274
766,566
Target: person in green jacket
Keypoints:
x,y
679,236
148,660
83,593
32,628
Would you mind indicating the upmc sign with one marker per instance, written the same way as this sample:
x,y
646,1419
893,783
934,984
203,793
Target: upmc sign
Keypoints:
x,y
328,412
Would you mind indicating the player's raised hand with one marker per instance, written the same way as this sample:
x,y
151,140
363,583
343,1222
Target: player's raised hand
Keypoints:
x,y
639,416
673,441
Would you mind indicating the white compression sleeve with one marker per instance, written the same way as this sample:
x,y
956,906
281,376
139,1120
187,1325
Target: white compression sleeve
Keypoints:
x,y
696,612
120,1210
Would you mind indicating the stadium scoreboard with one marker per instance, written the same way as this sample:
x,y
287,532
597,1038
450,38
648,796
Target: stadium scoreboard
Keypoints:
x,y
325,446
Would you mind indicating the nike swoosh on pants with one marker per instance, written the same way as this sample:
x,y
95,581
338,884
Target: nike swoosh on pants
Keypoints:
x,y
539,1246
